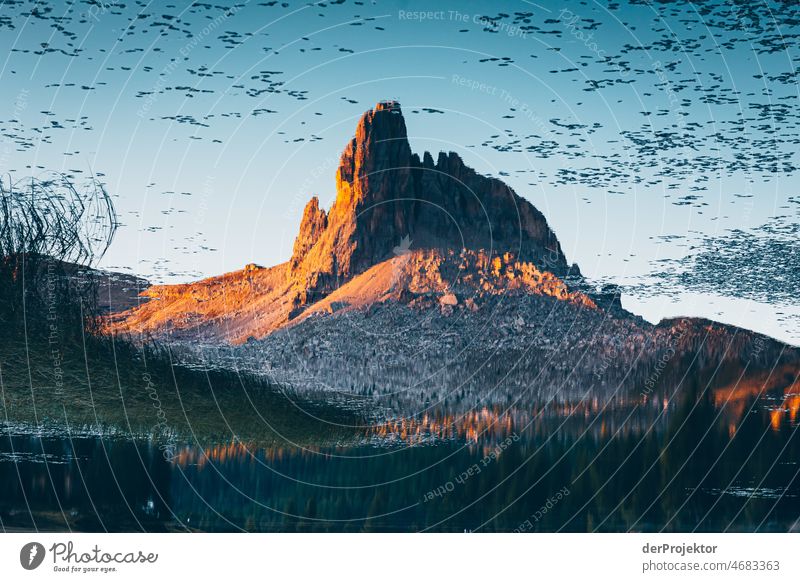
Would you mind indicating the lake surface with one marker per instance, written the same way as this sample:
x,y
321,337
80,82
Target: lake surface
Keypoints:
x,y
712,451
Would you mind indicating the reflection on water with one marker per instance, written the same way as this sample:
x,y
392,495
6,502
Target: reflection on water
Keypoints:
x,y
717,452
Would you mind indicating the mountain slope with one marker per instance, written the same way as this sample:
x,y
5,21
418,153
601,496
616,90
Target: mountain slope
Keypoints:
x,y
234,306
254,302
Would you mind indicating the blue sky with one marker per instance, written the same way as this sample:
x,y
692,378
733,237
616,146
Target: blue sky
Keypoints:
x,y
643,131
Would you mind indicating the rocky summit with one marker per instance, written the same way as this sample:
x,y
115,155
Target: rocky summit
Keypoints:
x,y
424,275
388,197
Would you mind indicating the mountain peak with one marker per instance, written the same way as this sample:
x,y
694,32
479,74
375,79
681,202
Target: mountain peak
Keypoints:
x,y
374,155
386,195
